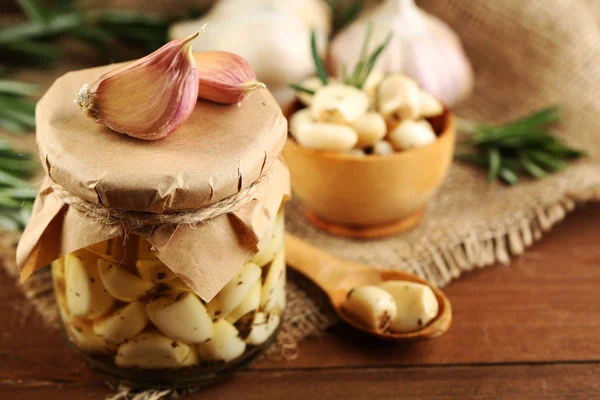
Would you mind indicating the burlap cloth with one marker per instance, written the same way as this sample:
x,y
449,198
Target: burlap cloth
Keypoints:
x,y
526,55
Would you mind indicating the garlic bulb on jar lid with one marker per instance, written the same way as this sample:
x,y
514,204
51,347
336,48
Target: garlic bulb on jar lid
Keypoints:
x,y
277,31
422,47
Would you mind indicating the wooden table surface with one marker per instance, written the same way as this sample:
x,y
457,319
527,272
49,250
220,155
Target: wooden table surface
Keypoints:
x,y
526,331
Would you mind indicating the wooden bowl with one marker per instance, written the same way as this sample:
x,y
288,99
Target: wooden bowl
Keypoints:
x,y
370,196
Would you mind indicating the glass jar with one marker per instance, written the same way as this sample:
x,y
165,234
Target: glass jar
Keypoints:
x,y
134,319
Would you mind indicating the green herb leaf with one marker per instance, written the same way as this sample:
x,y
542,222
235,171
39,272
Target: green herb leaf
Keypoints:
x,y
35,10
300,88
494,160
317,59
526,145
18,88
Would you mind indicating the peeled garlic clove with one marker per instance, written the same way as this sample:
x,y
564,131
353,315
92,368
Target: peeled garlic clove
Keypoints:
x,y
234,291
250,303
85,294
225,344
152,350
416,304
274,279
58,269
371,84
263,327
280,298
154,271
272,246
123,324
181,316
370,128
372,306
225,78
120,283
148,98
81,333
312,83
398,98
356,153
338,104
429,105
383,148
301,120
330,137
411,134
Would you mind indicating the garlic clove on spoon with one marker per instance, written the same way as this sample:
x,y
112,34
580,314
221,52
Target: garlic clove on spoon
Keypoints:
x,y
148,98
224,77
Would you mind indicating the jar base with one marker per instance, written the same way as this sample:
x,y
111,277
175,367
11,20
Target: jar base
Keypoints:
x,y
366,232
169,378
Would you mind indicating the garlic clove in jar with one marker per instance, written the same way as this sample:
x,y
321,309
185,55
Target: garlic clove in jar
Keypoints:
x,y
327,137
81,333
398,99
429,106
148,98
234,291
262,258
412,134
338,104
263,327
250,303
120,283
225,345
123,324
58,269
224,77
299,121
85,294
370,128
154,271
152,350
181,316
416,304
372,306
383,148
274,279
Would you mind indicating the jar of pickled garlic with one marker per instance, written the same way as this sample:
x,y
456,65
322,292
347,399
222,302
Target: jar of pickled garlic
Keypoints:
x,y
167,256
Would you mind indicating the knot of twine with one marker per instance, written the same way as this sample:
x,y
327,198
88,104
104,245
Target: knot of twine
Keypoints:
x,y
136,219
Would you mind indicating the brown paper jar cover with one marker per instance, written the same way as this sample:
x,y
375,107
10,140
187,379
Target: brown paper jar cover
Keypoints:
x,y
218,152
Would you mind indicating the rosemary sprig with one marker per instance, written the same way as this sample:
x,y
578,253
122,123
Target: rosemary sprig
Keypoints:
x,y
524,146
16,195
361,71
17,114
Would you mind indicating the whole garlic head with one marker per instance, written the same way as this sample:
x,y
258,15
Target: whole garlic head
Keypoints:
x,y
422,47
272,35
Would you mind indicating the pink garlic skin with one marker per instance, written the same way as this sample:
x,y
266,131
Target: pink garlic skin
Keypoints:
x,y
149,98
224,77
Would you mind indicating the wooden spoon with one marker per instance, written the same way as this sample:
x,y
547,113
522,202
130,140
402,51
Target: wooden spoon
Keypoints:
x,y
337,277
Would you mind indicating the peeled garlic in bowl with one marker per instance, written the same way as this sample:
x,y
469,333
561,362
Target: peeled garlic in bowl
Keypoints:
x,y
410,134
338,104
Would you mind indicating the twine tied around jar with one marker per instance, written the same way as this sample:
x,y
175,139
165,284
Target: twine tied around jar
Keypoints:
x,y
132,220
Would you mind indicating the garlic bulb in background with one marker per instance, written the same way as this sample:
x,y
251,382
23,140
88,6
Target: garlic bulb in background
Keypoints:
x,y
423,47
272,35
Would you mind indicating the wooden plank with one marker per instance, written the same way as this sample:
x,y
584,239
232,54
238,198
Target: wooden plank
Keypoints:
x,y
541,308
556,381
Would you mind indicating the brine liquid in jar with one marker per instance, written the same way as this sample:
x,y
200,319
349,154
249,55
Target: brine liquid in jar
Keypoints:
x,y
136,320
